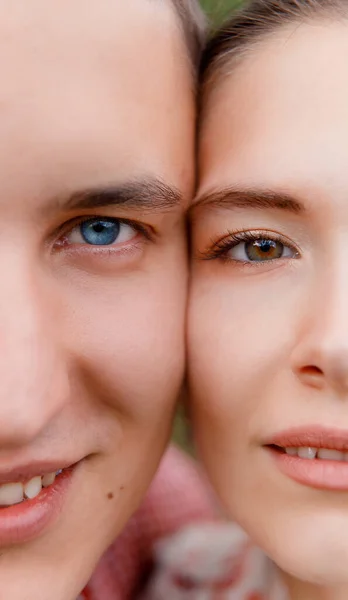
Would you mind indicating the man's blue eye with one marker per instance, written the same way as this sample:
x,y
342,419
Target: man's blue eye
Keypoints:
x,y
100,232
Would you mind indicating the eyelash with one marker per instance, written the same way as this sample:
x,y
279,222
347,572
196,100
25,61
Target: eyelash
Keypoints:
x,y
221,248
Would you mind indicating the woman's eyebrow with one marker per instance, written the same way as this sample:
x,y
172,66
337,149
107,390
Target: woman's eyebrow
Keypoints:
x,y
148,195
233,197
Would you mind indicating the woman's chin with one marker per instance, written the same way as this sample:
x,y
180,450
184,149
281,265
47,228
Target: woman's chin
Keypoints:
x,y
316,554
318,571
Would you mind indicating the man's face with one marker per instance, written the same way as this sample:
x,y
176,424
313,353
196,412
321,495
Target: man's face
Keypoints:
x,y
96,169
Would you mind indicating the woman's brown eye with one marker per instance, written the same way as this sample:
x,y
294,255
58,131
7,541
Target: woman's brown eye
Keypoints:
x,y
264,250
260,250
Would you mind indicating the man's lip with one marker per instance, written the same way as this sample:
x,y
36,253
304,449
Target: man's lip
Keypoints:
x,y
313,436
27,472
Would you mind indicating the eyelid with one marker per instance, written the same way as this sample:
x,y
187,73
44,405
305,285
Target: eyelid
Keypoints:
x,y
220,247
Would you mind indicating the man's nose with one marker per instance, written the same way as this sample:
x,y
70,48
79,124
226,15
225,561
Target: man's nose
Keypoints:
x,y
33,377
320,358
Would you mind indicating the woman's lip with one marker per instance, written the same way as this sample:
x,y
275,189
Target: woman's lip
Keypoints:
x,y
311,436
23,522
315,473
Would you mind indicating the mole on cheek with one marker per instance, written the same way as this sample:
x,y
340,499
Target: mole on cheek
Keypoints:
x,y
110,495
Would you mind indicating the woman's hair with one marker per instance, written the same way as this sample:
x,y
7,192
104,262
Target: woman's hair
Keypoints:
x,y
193,24
257,20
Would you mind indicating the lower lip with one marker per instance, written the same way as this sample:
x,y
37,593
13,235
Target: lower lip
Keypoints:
x,y
315,473
29,519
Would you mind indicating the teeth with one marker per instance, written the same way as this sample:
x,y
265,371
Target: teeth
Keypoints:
x,y
11,493
307,452
14,493
33,488
48,479
330,454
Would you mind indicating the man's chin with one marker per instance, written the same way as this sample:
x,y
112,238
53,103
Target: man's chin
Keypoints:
x,y
45,574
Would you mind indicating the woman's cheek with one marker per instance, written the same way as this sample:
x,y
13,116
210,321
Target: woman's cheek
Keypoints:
x,y
239,332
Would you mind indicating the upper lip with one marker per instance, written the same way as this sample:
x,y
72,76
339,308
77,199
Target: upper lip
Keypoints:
x,y
311,436
27,472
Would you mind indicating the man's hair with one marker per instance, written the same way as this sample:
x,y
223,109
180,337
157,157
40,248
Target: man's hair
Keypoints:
x,y
193,23
257,20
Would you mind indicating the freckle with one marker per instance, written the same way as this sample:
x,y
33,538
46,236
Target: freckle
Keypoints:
x,y
110,495
122,488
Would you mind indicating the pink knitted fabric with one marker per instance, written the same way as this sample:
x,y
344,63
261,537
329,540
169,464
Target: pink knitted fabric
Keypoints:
x,y
178,495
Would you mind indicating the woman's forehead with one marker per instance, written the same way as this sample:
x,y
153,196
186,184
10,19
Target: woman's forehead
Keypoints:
x,y
283,110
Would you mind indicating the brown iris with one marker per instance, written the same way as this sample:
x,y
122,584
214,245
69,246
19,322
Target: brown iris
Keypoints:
x,y
264,249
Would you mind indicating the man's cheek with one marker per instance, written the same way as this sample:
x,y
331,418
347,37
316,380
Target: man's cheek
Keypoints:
x,y
133,354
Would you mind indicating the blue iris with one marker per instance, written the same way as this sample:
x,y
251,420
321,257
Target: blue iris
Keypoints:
x,y
100,232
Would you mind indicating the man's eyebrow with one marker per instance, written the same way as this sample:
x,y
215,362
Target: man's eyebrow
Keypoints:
x,y
149,195
248,198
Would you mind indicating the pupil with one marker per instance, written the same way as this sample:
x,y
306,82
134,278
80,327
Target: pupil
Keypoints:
x,y
100,232
98,227
265,246
264,250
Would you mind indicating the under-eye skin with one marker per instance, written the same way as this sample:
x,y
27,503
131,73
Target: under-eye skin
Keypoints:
x,y
252,247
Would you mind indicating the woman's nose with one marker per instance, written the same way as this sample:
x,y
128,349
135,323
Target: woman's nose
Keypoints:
x,y
320,358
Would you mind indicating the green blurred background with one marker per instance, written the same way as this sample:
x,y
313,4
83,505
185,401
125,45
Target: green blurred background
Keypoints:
x,y
217,11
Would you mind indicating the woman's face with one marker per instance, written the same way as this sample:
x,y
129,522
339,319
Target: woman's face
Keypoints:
x,y
93,268
268,318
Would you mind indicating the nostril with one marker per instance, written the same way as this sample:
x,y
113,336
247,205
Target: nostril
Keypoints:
x,y
312,376
312,371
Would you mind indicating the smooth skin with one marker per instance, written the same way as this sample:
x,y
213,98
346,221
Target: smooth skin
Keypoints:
x,y
91,335
268,339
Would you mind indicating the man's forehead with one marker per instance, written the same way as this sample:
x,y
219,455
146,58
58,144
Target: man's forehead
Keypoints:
x,y
37,23
59,47
90,97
